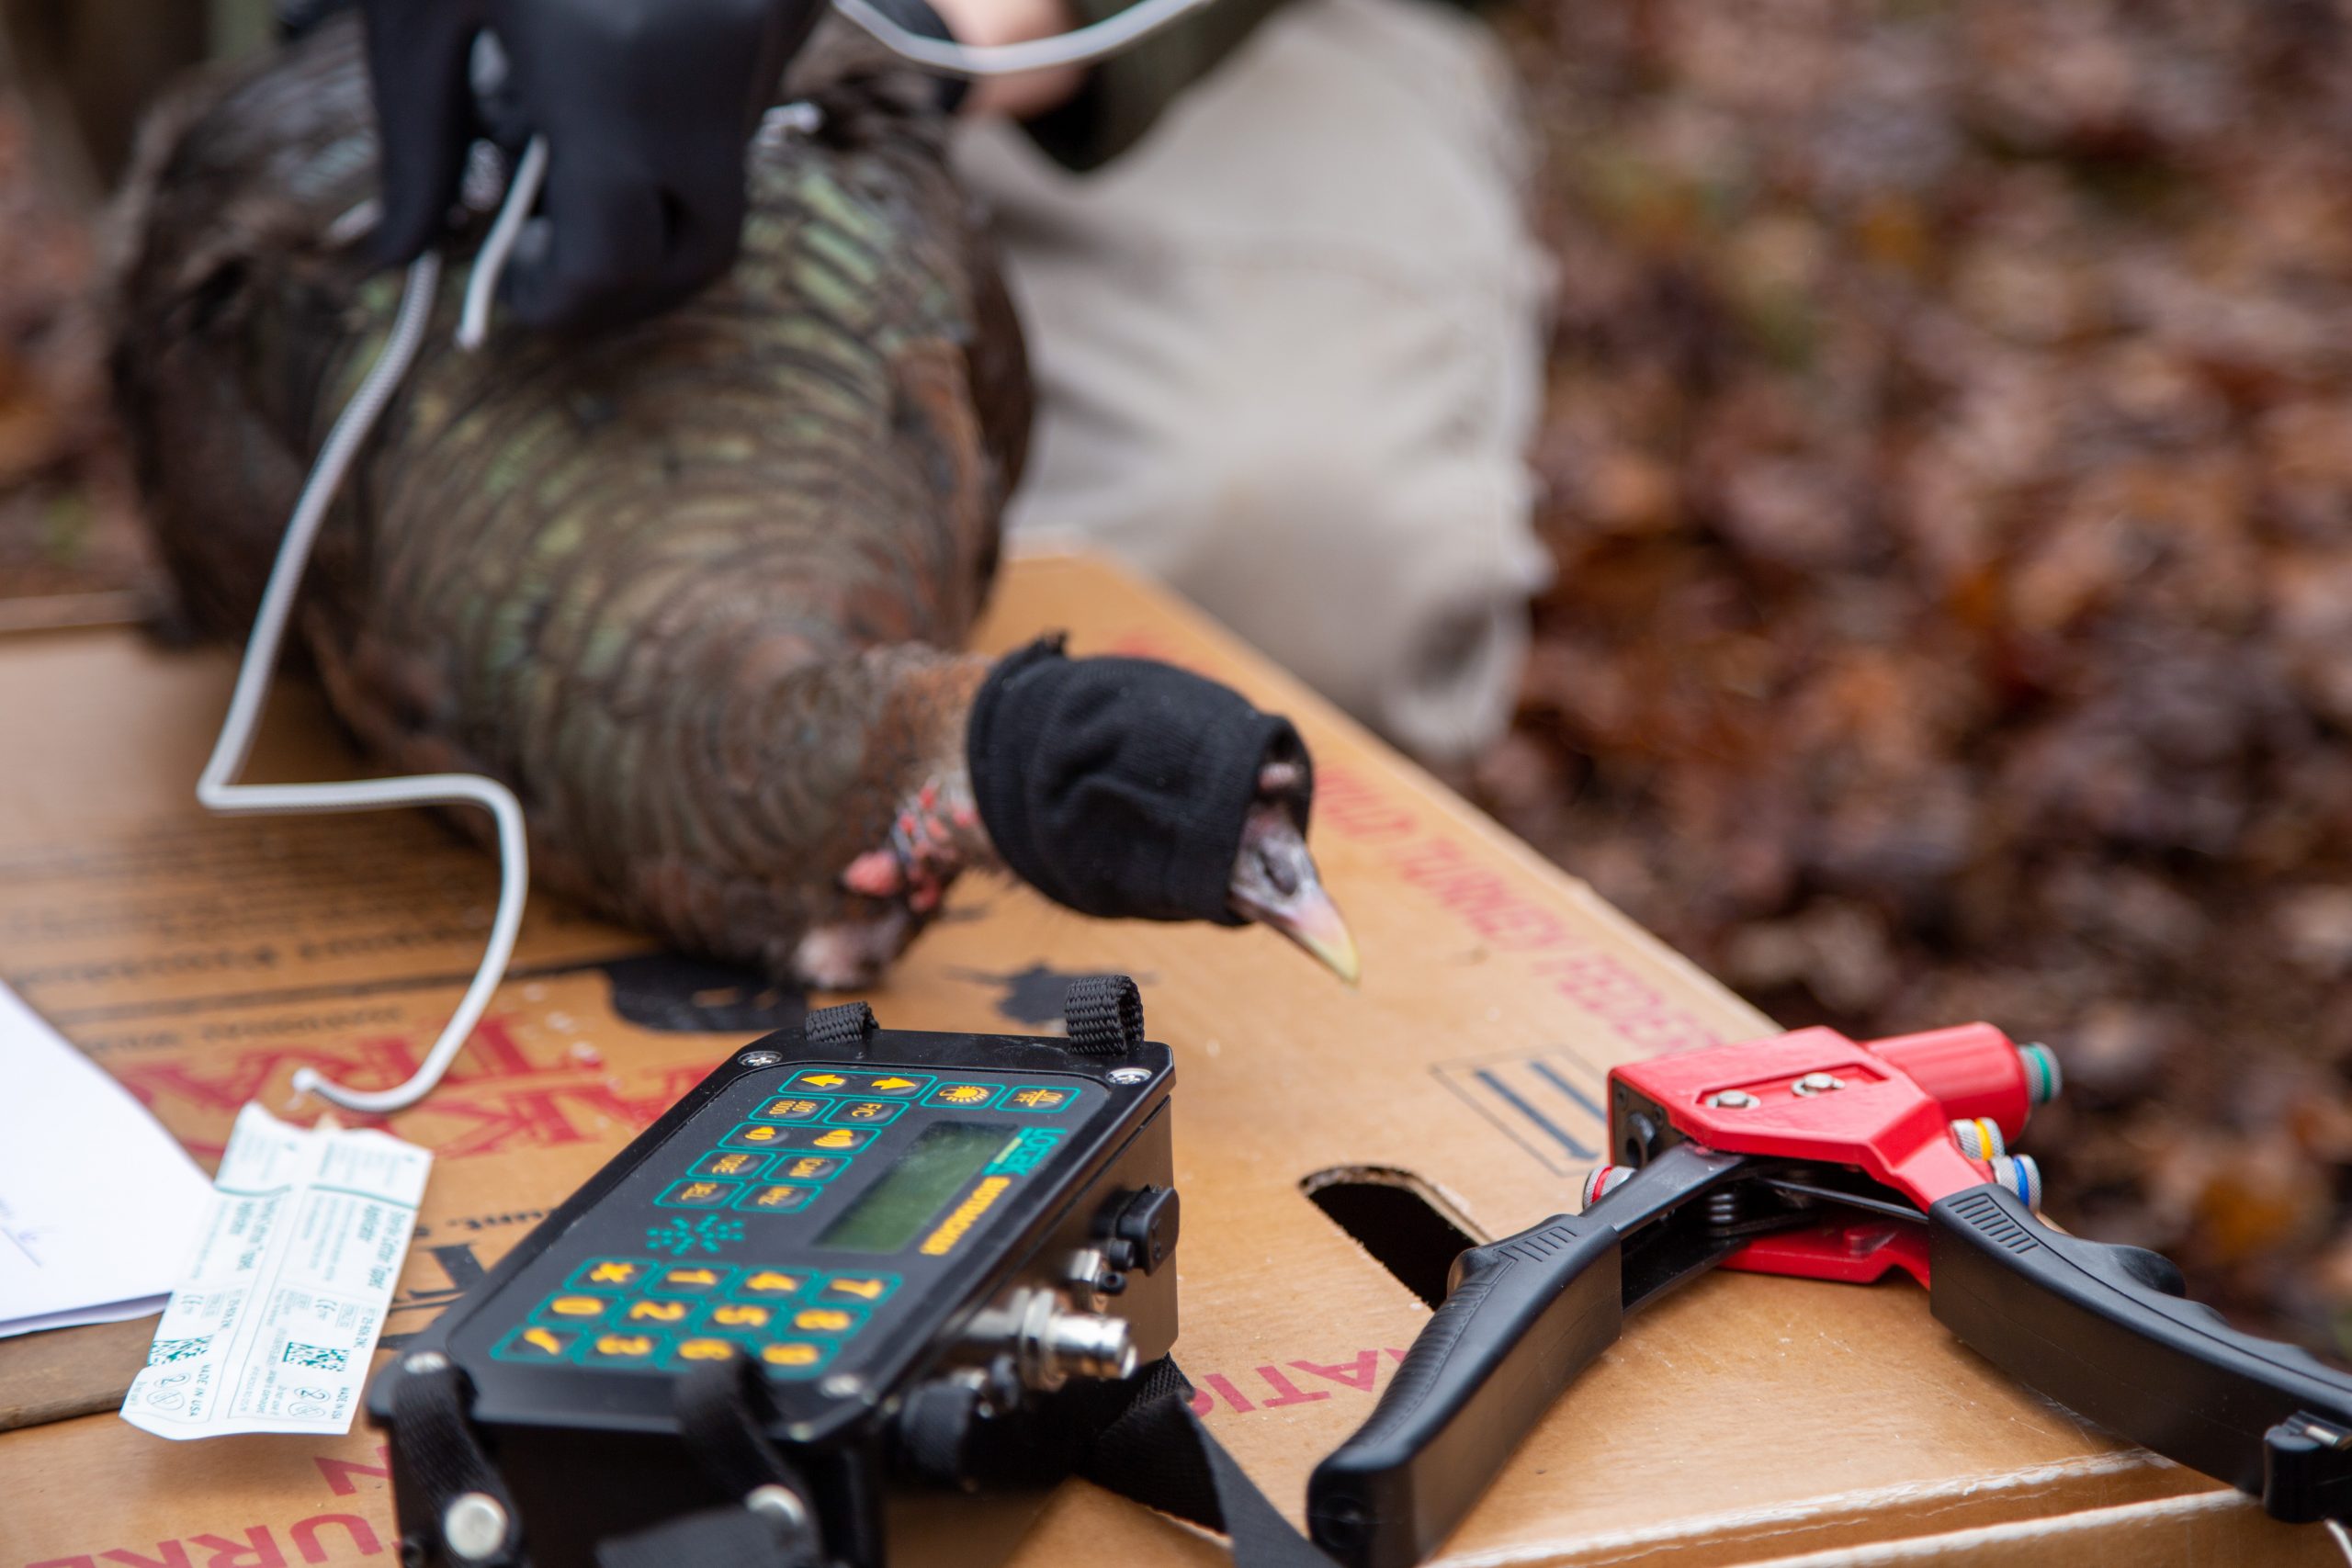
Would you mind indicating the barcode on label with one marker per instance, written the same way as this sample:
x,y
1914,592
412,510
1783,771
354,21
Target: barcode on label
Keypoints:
x,y
319,1357
164,1351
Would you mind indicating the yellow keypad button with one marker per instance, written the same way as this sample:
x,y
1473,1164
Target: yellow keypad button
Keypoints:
x,y
655,1312
705,1350
823,1080
865,1110
867,1288
581,1308
965,1096
740,1314
791,1109
792,1353
685,1281
698,1194
810,1168
534,1344
759,1135
608,1276
772,1283
729,1162
827,1140
778,1197
892,1085
624,1346
824,1320
1037,1099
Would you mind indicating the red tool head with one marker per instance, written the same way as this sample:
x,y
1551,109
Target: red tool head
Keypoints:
x,y
1926,1115
1974,1070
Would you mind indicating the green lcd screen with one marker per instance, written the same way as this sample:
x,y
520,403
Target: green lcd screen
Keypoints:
x,y
887,1214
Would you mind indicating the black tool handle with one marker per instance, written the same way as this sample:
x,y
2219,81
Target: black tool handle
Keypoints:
x,y
1522,1317
2103,1330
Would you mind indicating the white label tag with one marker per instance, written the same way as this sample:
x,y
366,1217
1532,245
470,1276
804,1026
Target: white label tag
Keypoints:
x,y
272,1326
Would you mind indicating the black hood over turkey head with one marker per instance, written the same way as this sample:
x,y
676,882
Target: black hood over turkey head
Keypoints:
x,y
1126,788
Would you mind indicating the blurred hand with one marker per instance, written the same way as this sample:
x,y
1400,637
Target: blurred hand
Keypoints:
x,y
646,105
985,22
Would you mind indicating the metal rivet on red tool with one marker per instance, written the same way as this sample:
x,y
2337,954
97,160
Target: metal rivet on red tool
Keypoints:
x,y
1732,1099
1819,1083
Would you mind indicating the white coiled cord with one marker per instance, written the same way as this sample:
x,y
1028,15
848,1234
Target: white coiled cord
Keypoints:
x,y
217,787
1079,46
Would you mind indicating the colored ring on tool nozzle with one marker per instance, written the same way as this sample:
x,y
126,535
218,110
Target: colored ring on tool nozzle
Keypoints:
x,y
2020,1175
1602,1180
2043,1077
1978,1137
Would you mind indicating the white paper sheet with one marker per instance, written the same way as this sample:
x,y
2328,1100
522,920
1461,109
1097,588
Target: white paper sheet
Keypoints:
x,y
97,1202
271,1328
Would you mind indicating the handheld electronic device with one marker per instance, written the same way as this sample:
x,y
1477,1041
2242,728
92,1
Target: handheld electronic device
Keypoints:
x,y
890,1266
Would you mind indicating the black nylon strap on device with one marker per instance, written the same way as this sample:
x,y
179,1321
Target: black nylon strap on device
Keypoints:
x,y
1104,1015
844,1029
432,1406
1159,1453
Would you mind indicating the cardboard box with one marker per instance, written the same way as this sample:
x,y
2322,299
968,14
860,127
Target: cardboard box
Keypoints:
x,y
1744,1419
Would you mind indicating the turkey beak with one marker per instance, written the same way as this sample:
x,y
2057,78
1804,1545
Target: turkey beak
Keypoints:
x,y
1275,883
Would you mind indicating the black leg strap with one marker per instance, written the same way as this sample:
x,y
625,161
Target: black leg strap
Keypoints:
x,y
723,1411
1160,1454
456,1510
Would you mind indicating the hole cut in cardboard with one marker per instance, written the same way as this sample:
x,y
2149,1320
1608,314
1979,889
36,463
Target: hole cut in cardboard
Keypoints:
x,y
1398,1218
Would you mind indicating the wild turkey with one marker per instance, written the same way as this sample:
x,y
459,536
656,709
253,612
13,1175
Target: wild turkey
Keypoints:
x,y
694,589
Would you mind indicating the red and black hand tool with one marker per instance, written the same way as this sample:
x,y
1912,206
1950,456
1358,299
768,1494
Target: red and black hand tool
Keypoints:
x,y
1809,1154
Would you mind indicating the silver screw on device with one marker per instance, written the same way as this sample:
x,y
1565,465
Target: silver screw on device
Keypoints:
x,y
426,1361
1129,1075
1819,1083
474,1526
1732,1099
841,1386
761,1058
780,1507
